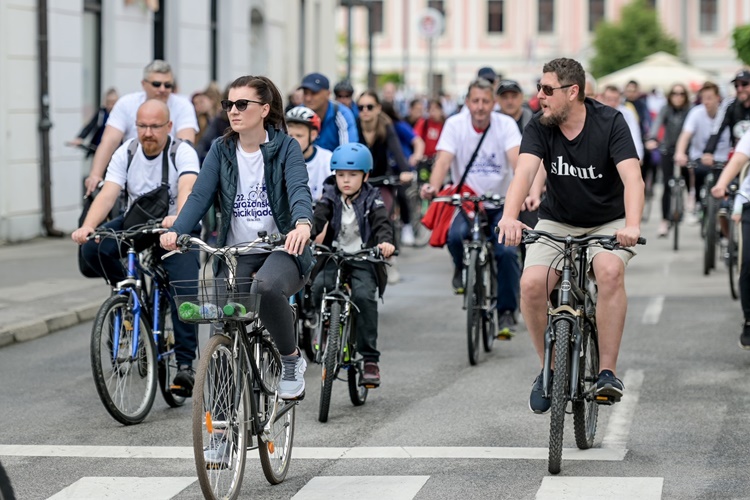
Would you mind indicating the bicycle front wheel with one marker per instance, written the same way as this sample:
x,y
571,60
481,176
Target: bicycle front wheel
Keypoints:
x,y
586,409
330,361
559,395
167,360
733,259
489,316
275,445
221,409
126,382
709,243
473,306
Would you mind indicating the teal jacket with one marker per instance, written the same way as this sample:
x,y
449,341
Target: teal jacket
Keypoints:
x,y
286,183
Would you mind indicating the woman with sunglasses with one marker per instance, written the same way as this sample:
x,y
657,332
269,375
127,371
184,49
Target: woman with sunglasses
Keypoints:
x,y
672,117
259,175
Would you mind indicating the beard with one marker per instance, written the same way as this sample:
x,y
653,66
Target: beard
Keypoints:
x,y
555,119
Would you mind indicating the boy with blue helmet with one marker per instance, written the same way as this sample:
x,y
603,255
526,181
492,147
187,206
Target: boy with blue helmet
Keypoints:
x,y
356,216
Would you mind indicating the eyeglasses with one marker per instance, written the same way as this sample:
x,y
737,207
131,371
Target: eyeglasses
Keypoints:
x,y
549,90
343,96
240,104
739,84
368,107
156,85
144,127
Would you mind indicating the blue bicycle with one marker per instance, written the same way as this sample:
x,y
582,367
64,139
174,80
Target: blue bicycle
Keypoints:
x,y
132,340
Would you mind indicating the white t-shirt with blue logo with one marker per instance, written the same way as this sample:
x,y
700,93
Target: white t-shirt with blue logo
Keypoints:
x,y
318,170
251,212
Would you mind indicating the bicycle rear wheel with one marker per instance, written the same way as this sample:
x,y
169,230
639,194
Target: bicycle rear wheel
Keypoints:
x,y
473,306
489,317
586,409
274,448
709,243
559,395
675,212
126,384
221,409
167,360
330,361
357,393
733,258
417,209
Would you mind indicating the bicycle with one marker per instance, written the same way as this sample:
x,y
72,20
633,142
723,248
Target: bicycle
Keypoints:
x,y
573,336
132,340
709,228
480,273
235,395
678,189
731,253
335,345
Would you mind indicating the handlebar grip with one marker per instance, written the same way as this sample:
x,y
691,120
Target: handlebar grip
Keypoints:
x,y
641,240
183,240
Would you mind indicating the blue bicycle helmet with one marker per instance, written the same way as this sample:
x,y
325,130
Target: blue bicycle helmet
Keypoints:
x,y
352,156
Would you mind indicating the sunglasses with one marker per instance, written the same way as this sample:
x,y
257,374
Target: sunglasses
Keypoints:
x,y
549,89
368,107
343,96
240,104
739,84
156,85
143,126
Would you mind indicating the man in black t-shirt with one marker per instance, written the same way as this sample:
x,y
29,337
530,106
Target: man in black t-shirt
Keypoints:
x,y
594,186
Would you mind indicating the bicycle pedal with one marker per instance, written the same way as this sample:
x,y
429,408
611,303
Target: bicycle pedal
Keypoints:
x,y
606,400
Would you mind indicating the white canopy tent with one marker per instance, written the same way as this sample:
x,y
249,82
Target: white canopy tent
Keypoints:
x,y
659,70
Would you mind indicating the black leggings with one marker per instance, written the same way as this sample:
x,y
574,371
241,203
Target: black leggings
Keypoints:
x,y
745,263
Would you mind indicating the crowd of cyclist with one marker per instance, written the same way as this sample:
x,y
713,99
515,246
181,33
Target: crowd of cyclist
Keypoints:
x,y
302,168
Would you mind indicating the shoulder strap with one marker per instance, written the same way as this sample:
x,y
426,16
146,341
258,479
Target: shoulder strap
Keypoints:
x,y
132,149
173,151
473,157
165,164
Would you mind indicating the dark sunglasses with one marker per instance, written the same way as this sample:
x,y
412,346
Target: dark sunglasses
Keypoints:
x,y
549,89
343,96
156,85
368,107
739,84
240,104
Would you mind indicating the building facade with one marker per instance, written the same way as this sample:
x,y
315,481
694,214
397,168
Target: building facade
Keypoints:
x,y
97,44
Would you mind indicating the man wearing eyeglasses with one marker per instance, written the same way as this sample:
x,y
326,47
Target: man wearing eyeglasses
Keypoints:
x,y
337,121
734,115
158,83
139,174
594,186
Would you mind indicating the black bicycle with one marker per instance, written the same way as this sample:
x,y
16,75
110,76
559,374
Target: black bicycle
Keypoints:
x,y
710,227
677,189
730,253
572,336
235,397
335,340
479,273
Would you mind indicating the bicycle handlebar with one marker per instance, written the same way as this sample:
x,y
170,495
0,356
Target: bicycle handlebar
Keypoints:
x,y
264,241
734,190
151,227
458,199
372,254
607,241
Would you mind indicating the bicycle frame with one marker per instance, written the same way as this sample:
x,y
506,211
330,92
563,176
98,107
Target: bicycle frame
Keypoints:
x,y
477,239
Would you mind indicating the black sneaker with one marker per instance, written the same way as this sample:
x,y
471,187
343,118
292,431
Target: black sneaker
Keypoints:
x,y
745,337
370,375
610,386
537,402
183,382
458,281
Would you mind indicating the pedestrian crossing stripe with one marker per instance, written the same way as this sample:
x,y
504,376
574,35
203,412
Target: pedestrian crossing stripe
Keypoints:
x,y
124,488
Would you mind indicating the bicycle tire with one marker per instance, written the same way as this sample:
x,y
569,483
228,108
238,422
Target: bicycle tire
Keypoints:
x,y
559,395
357,393
489,318
733,259
586,409
276,452
167,362
126,387
6,488
416,207
709,242
216,388
330,361
676,213
473,313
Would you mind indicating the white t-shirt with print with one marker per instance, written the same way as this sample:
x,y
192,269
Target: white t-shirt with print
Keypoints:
x,y
490,172
144,174
701,126
252,211
123,115
318,170
349,239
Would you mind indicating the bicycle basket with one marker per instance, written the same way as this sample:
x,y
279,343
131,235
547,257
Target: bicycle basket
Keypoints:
x,y
209,300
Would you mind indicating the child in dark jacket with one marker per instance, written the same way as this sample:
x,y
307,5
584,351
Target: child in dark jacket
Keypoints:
x,y
356,215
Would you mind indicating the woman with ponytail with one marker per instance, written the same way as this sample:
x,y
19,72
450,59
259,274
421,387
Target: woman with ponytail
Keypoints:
x,y
259,175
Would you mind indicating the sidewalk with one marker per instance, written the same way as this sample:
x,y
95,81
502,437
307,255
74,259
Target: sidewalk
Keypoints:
x,y
41,290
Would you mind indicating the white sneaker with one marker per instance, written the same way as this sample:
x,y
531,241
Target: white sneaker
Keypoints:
x,y
393,275
407,235
292,385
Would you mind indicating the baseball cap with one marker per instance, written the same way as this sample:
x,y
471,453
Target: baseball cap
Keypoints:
x,y
315,82
487,73
743,75
508,86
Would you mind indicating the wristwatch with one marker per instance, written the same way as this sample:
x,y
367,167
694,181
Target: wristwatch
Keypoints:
x,y
303,221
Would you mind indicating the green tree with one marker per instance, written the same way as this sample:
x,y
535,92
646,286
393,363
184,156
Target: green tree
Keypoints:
x,y
637,35
741,37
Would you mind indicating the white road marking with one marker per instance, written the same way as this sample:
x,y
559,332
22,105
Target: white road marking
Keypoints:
x,y
303,453
124,488
361,488
595,488
621,418
653,311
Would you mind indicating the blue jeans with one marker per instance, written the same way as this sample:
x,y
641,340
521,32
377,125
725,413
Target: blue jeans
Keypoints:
x,y
104,259
506,257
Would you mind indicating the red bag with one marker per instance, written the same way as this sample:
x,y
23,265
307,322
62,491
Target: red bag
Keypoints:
x,y
439,216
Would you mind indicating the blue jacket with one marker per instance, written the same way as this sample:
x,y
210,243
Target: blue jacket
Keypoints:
x,y
337,129
286,183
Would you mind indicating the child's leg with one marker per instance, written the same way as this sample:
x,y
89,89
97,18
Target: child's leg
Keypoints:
x,y
364,290
324,280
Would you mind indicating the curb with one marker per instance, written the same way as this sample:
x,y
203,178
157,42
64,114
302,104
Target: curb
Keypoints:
x,y
23,332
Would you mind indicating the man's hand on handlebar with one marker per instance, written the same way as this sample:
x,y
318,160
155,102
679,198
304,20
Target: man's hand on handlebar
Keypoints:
x,y
91,182
386,249
427,192
297,239
628,236
509,231
168,240
81,234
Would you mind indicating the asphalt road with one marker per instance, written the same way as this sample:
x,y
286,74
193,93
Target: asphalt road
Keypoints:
x,y
437,428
